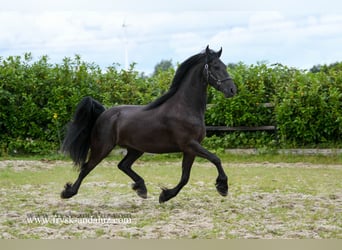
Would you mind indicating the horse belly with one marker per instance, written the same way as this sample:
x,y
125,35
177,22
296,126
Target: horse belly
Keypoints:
x,y
147,138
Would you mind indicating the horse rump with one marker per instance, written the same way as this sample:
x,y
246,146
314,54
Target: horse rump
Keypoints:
x,y
77,139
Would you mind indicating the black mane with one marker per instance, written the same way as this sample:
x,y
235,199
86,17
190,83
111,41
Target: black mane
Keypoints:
x,y
177,80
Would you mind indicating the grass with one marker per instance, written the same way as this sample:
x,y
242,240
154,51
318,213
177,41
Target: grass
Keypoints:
x,y
266,200
226,157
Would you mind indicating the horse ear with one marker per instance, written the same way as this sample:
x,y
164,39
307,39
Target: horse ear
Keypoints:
x,y
207,50
219,53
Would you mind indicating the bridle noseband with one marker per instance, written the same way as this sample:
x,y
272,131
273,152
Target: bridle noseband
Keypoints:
x,y
209,74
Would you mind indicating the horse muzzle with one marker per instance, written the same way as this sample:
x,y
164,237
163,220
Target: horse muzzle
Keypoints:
x,y
230,90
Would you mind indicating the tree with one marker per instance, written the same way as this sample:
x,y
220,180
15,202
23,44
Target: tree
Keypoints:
x,y
163,65
337,66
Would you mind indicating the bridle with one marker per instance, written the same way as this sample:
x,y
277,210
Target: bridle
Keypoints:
x,y
209,74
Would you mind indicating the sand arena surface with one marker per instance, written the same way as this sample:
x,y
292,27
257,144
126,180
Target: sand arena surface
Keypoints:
x,y
109,209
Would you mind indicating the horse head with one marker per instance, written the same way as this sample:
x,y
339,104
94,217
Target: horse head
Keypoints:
x,y
216,73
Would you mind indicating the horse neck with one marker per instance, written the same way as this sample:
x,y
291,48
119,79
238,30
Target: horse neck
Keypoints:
x,y
192,94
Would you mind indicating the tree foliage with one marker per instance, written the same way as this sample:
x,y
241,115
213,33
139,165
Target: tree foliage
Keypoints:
x,y
163,65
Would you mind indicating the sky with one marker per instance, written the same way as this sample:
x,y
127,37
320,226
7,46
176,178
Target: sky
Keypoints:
x,y
294,33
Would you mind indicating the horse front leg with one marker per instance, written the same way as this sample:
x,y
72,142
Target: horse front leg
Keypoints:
x,y
187,162
222,179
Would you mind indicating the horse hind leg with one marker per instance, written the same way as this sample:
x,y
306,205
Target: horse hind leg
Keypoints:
x,y
97,154
167,194
72,189
125,166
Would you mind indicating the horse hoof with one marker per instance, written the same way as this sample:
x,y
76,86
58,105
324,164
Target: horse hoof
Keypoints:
x,y
140,189
67,192
223,193
142,194
162,198
222,188
165,195
65,195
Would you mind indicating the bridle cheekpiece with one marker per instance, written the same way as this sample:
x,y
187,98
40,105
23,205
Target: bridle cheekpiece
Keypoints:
x,y
210,74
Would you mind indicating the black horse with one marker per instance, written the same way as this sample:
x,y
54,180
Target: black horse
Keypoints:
x,y
172,123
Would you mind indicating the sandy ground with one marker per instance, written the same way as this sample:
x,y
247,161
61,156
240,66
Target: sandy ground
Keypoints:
x,y
248,215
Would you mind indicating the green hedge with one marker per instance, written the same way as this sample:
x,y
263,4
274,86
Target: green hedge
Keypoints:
x,y
37,99
307,107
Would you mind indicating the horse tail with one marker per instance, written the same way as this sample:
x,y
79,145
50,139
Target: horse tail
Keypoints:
x,y
77,139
